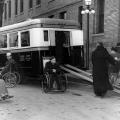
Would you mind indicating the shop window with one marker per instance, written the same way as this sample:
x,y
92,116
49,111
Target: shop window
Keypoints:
x,y
25,39
13,40
3,41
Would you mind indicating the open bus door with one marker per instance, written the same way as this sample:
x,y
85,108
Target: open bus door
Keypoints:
x,y
61,52
65,53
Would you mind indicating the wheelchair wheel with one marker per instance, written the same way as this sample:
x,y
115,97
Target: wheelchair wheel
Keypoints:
x,y
63,82
18,77
46,83
10,79
113,77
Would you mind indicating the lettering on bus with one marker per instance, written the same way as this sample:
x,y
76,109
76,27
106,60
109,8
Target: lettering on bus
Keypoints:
x,y
3,41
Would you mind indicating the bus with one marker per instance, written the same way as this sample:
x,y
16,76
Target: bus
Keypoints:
x,y
33,40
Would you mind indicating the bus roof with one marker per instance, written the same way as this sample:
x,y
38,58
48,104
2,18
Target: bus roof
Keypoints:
x,y
42,21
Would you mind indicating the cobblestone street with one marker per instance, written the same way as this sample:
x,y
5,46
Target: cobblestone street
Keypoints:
x,y
78,103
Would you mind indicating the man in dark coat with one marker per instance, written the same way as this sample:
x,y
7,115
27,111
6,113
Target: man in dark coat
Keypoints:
x,y
10,65
53,69
100,60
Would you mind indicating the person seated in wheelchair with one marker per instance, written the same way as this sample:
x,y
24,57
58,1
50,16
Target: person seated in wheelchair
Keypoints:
x,y
53,69
10,65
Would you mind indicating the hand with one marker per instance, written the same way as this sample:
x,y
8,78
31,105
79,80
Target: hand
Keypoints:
x,y
116,58
54,70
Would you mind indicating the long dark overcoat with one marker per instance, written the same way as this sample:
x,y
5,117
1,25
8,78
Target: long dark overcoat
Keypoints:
x,y
100,60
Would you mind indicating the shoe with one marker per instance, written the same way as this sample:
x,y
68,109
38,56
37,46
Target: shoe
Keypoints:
x,y
6,97
9,96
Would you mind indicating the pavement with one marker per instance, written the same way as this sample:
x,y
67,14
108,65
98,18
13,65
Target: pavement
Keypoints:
x,y
77,103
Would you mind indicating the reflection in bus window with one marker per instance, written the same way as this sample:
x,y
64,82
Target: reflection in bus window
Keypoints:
x,y
25,39
46,35
3,41
13,40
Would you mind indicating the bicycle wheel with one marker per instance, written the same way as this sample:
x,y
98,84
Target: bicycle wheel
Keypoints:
x,y
63,82
10,79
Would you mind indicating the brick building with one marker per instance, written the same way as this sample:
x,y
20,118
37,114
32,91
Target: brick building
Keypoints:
x,y
104,24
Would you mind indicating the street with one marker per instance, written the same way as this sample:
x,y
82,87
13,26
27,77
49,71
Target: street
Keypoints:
x,y
77,103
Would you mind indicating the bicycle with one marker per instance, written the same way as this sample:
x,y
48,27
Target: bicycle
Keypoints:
x,y
11,79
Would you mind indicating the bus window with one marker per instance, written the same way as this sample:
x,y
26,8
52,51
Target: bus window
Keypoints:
x,y
3,41
25,39
67,39
13,39
45,35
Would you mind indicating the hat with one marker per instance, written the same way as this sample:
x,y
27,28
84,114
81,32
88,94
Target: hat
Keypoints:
x,y
8,54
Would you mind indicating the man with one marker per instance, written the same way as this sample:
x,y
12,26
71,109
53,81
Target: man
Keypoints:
x,y
53,69
100,60
10,65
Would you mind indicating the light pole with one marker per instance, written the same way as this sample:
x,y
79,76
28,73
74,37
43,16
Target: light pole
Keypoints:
x,y
87,10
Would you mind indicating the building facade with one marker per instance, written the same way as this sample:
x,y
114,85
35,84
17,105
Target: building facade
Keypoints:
x,y
104,25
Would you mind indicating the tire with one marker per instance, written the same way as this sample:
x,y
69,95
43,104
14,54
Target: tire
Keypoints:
x,y
10,79
18,77
113,77
45,84
63,83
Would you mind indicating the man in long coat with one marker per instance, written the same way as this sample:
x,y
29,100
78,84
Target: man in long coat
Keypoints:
x,y
100,60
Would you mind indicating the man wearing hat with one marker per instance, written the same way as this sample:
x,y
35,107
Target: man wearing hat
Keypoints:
x,y
10,65
53,69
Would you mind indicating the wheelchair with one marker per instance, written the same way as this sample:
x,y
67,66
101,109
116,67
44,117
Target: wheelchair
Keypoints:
x,y
114,75
46,87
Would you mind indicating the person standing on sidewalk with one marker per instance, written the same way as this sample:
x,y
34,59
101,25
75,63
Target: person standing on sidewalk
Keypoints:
x,y
100,61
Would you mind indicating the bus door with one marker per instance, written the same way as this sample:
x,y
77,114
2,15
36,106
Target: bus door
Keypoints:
x,y
62,48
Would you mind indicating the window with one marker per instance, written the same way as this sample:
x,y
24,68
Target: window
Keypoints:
x,y
38,2
25,39
21,6
9,6
45,35
100,16
51,16
16,7
63,15
5,13
30,4
50,1
13,40
3,41
62,37
80,17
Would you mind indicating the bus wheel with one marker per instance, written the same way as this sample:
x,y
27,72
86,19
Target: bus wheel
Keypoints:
x,y
10,79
